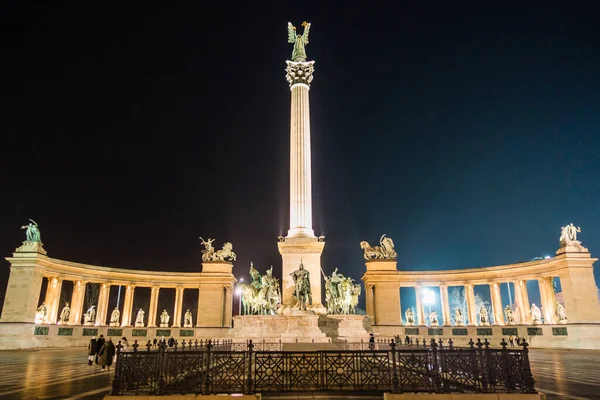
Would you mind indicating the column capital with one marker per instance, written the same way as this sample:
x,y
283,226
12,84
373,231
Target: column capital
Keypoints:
x,y
299,72
155,289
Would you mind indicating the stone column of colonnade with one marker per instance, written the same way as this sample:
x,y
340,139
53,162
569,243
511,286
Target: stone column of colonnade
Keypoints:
x,y
178,306
445,304
154,291
548,299
229,306
522,300
77,302
420,310
102,304
471,308
53,297
128,305
369,300
496,300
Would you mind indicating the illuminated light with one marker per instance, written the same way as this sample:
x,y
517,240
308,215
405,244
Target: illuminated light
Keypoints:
x,y
547,257
238,291
428,297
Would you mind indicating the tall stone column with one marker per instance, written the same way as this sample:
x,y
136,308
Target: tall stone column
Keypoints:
x,y
53,306
102,304
420,310
496,303
445,305
370,301
547,298
153,306
228,306
77,302
177,310
300,245
471,307
128,305
199,311
522,302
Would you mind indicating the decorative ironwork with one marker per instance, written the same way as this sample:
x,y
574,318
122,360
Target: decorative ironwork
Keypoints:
x,y
212,367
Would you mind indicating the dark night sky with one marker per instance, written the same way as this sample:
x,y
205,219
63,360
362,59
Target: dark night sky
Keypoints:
x,y
469,135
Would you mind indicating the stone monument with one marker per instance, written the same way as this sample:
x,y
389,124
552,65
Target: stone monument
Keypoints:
x,y
300,245
410,317
139,319
114,317
536,315
164,319
65,314
508,313
40,314
561,313
89,316
483,316
433,319
187,320
459,317
568,240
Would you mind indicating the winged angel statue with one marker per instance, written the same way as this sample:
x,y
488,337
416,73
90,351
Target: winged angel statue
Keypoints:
x,y
299,53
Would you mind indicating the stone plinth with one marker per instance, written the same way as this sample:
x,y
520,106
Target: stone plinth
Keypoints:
x,y
164,325
115,324
346,327
302,327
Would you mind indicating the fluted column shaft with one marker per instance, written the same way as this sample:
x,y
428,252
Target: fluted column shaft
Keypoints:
x,y
521,305
445,304
56,283
77,302
548,299
199,312
102,304
177,310
471,307
128,305
369,301
153,306
420,310
496,303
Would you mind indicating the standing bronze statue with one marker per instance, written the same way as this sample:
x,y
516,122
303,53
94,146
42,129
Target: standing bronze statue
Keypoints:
x,y
302,291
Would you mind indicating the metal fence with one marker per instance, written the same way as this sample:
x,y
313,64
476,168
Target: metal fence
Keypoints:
x,y
436,368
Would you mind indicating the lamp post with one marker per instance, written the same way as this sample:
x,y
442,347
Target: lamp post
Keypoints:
x,y
238,292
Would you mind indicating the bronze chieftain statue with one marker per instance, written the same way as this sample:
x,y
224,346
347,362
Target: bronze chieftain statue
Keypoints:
x,y
302,291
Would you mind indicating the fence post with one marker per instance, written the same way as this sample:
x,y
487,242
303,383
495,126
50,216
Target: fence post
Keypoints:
x,y
482,364
206,383
435,368
474,362
395,380
116,383
529,381
160,359
506,368
249,381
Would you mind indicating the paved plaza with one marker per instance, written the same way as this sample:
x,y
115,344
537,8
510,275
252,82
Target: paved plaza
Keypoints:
x,y
64,374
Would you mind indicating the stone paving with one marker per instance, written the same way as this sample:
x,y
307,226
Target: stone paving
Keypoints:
x,y
52,374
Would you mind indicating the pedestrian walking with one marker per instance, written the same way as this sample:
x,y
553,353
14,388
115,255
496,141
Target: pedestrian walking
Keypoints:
x,y
171,341
91,350
511,340
155,342
99,344
106,354
518,340
124,343
371,342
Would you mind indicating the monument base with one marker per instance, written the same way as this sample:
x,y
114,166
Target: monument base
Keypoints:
x,y
114,324
139,324
346,327
302,327
164,325
188,326
88,323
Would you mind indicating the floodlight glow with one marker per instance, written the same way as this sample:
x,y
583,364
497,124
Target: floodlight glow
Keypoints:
x,y
428,297
547,257
238,291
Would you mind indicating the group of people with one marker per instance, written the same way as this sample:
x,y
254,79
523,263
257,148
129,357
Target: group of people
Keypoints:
x,y
512,339
101,352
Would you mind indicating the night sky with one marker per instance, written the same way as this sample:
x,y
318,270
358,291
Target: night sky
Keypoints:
x,y
469,135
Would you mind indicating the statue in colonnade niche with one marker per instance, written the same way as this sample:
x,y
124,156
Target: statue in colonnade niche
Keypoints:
x,y
65,314
139,319
209,253
508,312
164,319
536,314
410,317
40,314
32,232
89,316
561,313
459,317
483,316
187,319
385,251
433,319
114,317
341,294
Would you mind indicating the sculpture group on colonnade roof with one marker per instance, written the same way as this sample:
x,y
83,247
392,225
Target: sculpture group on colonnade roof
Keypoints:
x,y
568,233
32,233
262,295
209,253
341,294
385,251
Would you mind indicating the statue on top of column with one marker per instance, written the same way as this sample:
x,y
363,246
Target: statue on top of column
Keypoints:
x,y
187,319
209,253
410,317
302,291
536,314
569,233
114,317
164,319
299,41
508,312
385,251
65,314
32,232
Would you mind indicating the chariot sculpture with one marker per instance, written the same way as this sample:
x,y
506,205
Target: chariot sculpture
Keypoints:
x,y
385,250
209,253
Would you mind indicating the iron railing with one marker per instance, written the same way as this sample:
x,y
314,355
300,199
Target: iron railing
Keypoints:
x,y
436,368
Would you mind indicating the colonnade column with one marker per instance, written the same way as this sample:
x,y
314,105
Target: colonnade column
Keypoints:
x,y
369,300
523,310
496,303
77,302
153,306
471,308
128,305
420,310
52,304
228,306
102,304
548,299
178,304
199,312
445,304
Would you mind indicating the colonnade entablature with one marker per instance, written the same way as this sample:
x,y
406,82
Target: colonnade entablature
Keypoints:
x,y
573,265
30,265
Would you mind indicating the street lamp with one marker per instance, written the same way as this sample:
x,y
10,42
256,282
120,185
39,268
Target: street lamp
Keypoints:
x,y
238,292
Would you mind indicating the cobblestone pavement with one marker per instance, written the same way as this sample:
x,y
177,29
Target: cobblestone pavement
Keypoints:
x,y
64,374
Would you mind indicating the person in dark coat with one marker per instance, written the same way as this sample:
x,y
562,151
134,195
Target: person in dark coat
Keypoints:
x,y
99,344
171,341
91,350
106,354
